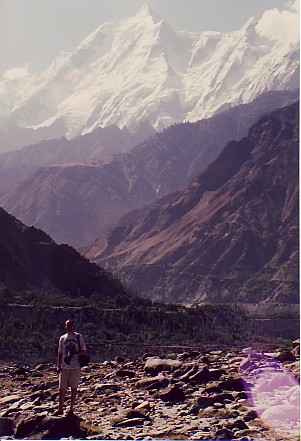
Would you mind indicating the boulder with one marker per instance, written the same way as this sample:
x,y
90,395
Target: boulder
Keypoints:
x,y
224,433
125,373
250,434
201,376
246,363
6,427
183,356
206,360
137,414
193,410
250,415
195,354
101,387
130,418
132,422
212,388
174,394
296,352
243,395
155,365
238,424
233,384
144,406
206,401
27,425
283,356
158,382
148,355
45,385
216,374
9,399
185,371
41,395
22,371
57,428
42,367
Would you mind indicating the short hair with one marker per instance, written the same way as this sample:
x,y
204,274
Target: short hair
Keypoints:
x,y
69,323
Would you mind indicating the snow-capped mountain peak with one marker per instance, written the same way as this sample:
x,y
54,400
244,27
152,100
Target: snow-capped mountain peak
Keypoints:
x,y
139,68
146,13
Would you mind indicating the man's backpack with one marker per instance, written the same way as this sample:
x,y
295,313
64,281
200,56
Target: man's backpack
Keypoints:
x,y
83,359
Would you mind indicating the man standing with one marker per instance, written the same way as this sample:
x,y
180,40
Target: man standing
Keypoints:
x,y
71,345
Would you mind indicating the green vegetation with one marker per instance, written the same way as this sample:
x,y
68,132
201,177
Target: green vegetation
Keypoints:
x,y
35,321
116,319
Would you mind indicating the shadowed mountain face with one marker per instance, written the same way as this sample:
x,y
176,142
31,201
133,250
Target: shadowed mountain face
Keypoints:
x,y
31,260
76,203
231,236
96,146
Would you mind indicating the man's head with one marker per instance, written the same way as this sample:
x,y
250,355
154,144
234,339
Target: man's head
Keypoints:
x,y
69,325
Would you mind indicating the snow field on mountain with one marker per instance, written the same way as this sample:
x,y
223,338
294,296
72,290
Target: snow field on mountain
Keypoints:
x,y
139,68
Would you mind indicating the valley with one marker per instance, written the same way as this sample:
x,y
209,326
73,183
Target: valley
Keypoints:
x,y
149,190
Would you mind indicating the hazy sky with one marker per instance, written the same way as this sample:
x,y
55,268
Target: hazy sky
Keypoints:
x,y
33,32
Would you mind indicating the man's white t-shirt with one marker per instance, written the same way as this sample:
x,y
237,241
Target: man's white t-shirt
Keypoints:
x,y
68,345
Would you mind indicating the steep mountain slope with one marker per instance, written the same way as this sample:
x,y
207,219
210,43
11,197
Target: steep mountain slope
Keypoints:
x,y
140,68
231,236
100,144
31,260
75,203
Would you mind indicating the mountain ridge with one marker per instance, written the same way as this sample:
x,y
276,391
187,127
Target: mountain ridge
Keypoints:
x,y
231,236
154,73
99,145
31,260
75,204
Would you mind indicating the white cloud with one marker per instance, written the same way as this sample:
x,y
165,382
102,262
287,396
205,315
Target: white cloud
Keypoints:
x,y
294,5
13,83
283,26
16,74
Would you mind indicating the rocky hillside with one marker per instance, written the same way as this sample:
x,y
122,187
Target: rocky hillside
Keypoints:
x,y
231,236
31,260
98,145
75,203
198,394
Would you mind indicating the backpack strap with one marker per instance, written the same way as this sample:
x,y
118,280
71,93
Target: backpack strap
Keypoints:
x,y
78,342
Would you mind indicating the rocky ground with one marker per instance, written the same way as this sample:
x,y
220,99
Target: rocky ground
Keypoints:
x,y
196,395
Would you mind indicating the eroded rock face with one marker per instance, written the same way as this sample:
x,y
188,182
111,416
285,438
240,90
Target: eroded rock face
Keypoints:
x,y
229,235
240,395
